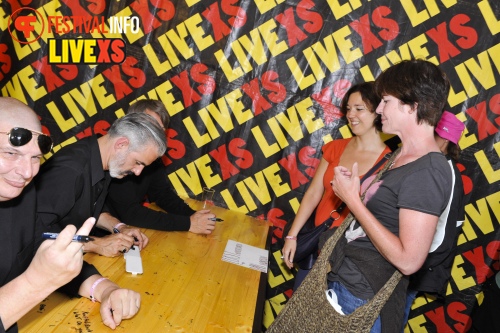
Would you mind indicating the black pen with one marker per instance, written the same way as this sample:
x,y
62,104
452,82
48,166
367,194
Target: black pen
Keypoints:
x,y
76,238
116,231
216,219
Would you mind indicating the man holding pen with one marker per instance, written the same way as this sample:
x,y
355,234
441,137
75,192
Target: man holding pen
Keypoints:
x,y
28,275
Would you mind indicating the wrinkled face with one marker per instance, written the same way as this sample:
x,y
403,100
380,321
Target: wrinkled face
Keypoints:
x,y
127,162
18,165
358,114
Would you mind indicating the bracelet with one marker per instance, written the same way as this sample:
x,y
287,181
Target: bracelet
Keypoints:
x,y
94,286
115,228
291,237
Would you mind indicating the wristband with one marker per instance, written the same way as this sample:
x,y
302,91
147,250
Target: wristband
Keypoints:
x,y
291,237
115,228
94,285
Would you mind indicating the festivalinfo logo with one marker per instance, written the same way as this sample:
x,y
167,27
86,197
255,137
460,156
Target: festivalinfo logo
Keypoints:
x,y
26,25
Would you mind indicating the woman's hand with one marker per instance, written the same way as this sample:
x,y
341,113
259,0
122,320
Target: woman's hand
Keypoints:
x,y
345,184
289,252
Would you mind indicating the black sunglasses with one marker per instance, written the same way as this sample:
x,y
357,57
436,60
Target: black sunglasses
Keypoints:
x,y
20,136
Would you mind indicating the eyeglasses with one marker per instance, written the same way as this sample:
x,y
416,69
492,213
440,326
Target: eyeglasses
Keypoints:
x,y
20,136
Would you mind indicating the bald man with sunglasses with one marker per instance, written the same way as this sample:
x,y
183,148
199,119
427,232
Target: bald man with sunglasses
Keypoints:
x,y
27,274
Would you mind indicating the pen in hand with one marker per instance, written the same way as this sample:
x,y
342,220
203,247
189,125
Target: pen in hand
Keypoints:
x,y
116,231
216,219
76,238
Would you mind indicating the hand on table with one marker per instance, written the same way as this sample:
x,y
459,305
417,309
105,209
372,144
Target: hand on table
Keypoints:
x,y
140,239
201,222
110,246
118,304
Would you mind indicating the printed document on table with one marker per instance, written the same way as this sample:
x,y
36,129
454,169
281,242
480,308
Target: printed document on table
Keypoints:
x,y
246,256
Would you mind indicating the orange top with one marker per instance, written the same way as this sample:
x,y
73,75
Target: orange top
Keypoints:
x,y
332,152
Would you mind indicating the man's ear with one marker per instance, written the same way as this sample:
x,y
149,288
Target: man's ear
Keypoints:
x,y
121,143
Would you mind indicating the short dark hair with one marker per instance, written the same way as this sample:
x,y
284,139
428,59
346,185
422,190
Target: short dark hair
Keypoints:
x,y
418,83
369,96
153,105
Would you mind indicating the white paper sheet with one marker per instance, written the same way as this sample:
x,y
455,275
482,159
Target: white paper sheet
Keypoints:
x,y
246,256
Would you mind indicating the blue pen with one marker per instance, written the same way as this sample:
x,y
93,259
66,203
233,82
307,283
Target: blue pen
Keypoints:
x,y
216,219
76,238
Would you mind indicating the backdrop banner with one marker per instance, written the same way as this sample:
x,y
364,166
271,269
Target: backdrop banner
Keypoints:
x,y
253,88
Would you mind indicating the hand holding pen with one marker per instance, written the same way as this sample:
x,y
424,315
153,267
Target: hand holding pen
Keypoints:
x,y
58,261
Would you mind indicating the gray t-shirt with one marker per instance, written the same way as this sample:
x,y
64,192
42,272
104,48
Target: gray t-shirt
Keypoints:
x,y
423,185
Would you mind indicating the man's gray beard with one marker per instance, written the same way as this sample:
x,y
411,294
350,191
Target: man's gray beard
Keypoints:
x,y
116,163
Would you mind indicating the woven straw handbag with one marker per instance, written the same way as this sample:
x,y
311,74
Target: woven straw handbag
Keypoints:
x,y
309,310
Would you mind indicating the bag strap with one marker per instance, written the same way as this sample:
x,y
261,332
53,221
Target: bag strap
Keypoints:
x,y
297,316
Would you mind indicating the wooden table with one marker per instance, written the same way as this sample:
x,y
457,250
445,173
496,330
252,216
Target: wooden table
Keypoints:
x,y
186,287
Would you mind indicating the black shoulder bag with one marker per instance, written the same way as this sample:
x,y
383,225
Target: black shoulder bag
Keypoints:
x,y
308,237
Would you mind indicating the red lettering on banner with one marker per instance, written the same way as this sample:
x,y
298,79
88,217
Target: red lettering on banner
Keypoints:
x,y
324,98
96,6
390,27
245,157
78,10
206,87
227,168
306,157
137,75
287,20
480,116
100,127
182,82
175,148
17,4
238,15
166,9
494,105
52,80
259,103
476,258
207,83
297,178
440,36
277,90
114,74
438,318
468,35
456,312
468,185
314,21
363,28
446,49
220,28
5,61
273,216
149,21
492,251
269,82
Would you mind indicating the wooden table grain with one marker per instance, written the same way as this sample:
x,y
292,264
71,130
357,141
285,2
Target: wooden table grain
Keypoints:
x,y
185,287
